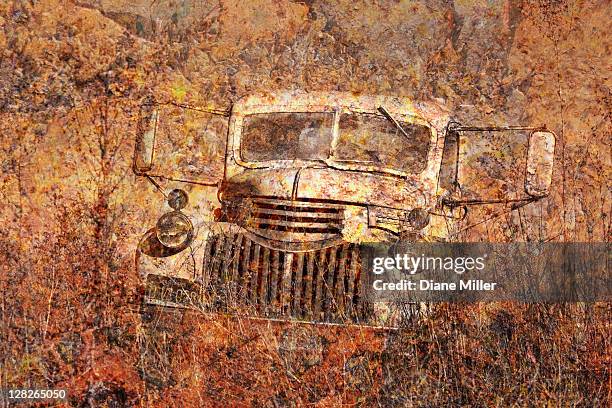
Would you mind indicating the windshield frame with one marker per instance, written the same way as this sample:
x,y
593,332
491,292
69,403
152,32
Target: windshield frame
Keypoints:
x,y
331,162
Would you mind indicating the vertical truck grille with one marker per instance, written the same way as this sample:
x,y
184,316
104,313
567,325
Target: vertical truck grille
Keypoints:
x,y
321,285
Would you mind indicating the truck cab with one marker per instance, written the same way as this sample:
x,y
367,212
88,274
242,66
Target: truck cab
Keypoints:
x,y
306,178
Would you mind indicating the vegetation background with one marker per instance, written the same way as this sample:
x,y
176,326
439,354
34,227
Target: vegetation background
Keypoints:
x,y
72,74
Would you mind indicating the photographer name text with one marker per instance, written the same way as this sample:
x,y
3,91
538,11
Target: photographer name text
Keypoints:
x,y
430,285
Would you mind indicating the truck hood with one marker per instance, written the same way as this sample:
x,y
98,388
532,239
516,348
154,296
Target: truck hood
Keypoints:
x,y
341,186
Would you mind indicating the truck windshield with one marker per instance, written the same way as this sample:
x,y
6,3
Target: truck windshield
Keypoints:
x,y
363,138
374,140
287,136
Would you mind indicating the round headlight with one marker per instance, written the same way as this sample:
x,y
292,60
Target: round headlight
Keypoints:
x,y
177,199
174,230
418,218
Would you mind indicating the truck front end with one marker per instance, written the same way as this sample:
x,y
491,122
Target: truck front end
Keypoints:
x,y
304,180
307,178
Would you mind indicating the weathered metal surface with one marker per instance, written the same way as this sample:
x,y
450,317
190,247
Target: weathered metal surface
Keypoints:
x,y
183,143
540,163
337,103
308,176
309,285
294,221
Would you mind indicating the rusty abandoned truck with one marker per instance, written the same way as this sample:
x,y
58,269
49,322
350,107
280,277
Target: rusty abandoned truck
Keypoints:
x,y
300,180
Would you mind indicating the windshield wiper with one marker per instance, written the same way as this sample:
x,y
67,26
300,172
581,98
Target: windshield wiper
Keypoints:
x,y
391,119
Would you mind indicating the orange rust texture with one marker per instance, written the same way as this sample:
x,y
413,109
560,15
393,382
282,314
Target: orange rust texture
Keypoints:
x,y
72,77
311,361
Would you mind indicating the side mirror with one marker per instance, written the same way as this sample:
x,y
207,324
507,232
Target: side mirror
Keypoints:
x,y
147,126
181,143
489,164
540,158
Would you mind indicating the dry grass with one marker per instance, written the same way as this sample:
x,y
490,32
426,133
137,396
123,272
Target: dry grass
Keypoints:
x,y
70,322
